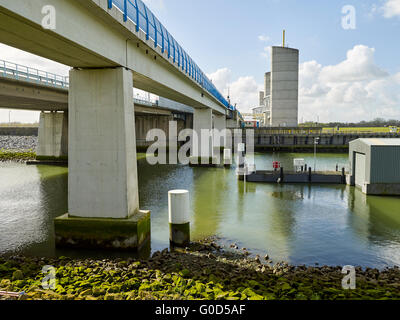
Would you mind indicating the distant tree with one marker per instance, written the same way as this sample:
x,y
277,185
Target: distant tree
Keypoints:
x,y
377,122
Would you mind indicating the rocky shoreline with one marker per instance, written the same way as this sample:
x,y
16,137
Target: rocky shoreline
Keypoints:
x,y
18,148
202,271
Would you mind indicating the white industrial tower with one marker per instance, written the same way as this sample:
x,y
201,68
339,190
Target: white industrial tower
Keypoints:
x,y
281,92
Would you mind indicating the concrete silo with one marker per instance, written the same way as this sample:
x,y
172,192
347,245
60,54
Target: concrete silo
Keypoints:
x,y
284,87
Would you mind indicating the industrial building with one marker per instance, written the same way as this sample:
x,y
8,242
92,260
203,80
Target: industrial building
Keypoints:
x,y
280,99
375,166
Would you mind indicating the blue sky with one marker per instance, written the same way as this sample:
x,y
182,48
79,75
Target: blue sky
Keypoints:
x,y
344,74
224,33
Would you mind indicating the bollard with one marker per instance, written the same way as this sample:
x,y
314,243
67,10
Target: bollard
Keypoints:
x,y
281,174
309,174
179,217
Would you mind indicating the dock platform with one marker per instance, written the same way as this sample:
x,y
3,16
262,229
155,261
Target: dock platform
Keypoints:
x,y
328,177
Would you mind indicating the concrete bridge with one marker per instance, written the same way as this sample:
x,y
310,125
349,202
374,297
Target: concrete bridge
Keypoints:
x,y
112,46
26,88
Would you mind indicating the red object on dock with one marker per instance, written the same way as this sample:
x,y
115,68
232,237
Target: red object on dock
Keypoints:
x,y
276,164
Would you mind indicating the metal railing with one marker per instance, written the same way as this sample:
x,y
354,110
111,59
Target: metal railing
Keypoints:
x,y
144,19
146,102
24,73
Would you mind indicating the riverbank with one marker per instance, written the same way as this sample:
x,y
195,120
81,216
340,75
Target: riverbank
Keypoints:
x,y
18,156
202,271
18,148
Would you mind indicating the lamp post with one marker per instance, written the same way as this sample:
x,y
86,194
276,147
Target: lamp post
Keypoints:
x,y
316,141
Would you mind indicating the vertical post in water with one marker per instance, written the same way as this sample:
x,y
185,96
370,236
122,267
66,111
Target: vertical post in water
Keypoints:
x,y
179,217
343,176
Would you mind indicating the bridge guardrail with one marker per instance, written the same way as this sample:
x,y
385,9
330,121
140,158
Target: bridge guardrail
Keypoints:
x,y
144,102
20,72
145,20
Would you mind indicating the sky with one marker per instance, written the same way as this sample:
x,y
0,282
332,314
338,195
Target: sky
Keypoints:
x,y
346,74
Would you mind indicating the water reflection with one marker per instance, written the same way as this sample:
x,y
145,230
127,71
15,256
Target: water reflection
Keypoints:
x,y
30,197
375,221
53,201
299,223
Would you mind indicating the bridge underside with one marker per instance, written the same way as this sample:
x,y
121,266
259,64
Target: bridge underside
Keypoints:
x,y
108,57
99,38
23,95
7,102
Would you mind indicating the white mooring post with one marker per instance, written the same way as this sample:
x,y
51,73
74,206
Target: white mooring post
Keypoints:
x,y
179,217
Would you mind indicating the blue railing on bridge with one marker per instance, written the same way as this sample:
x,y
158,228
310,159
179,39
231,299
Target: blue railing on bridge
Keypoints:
x,y
144,19
20,72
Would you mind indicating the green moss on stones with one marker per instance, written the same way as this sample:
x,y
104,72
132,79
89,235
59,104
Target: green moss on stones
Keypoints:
x,y
6,155
190,274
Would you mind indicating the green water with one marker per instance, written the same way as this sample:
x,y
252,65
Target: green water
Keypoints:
x,y
300,224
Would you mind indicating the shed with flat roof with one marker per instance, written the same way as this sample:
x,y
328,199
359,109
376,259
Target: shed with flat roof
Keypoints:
x,y
375,166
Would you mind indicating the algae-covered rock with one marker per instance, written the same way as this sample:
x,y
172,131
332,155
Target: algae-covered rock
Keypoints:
x,y
190,274
17,275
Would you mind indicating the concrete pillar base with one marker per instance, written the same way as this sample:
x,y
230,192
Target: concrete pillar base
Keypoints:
x,y
96,233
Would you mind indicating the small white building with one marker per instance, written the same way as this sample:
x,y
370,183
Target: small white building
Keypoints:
x,y
375,166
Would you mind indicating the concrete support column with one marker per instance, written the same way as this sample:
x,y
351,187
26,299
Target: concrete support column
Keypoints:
x,y
103,199
53,136
202,150
219,141
231,123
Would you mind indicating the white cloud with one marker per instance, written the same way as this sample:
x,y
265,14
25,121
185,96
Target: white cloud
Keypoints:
x,y
355,89
243,91
391,9
267,53
221,79
264,38
358,66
